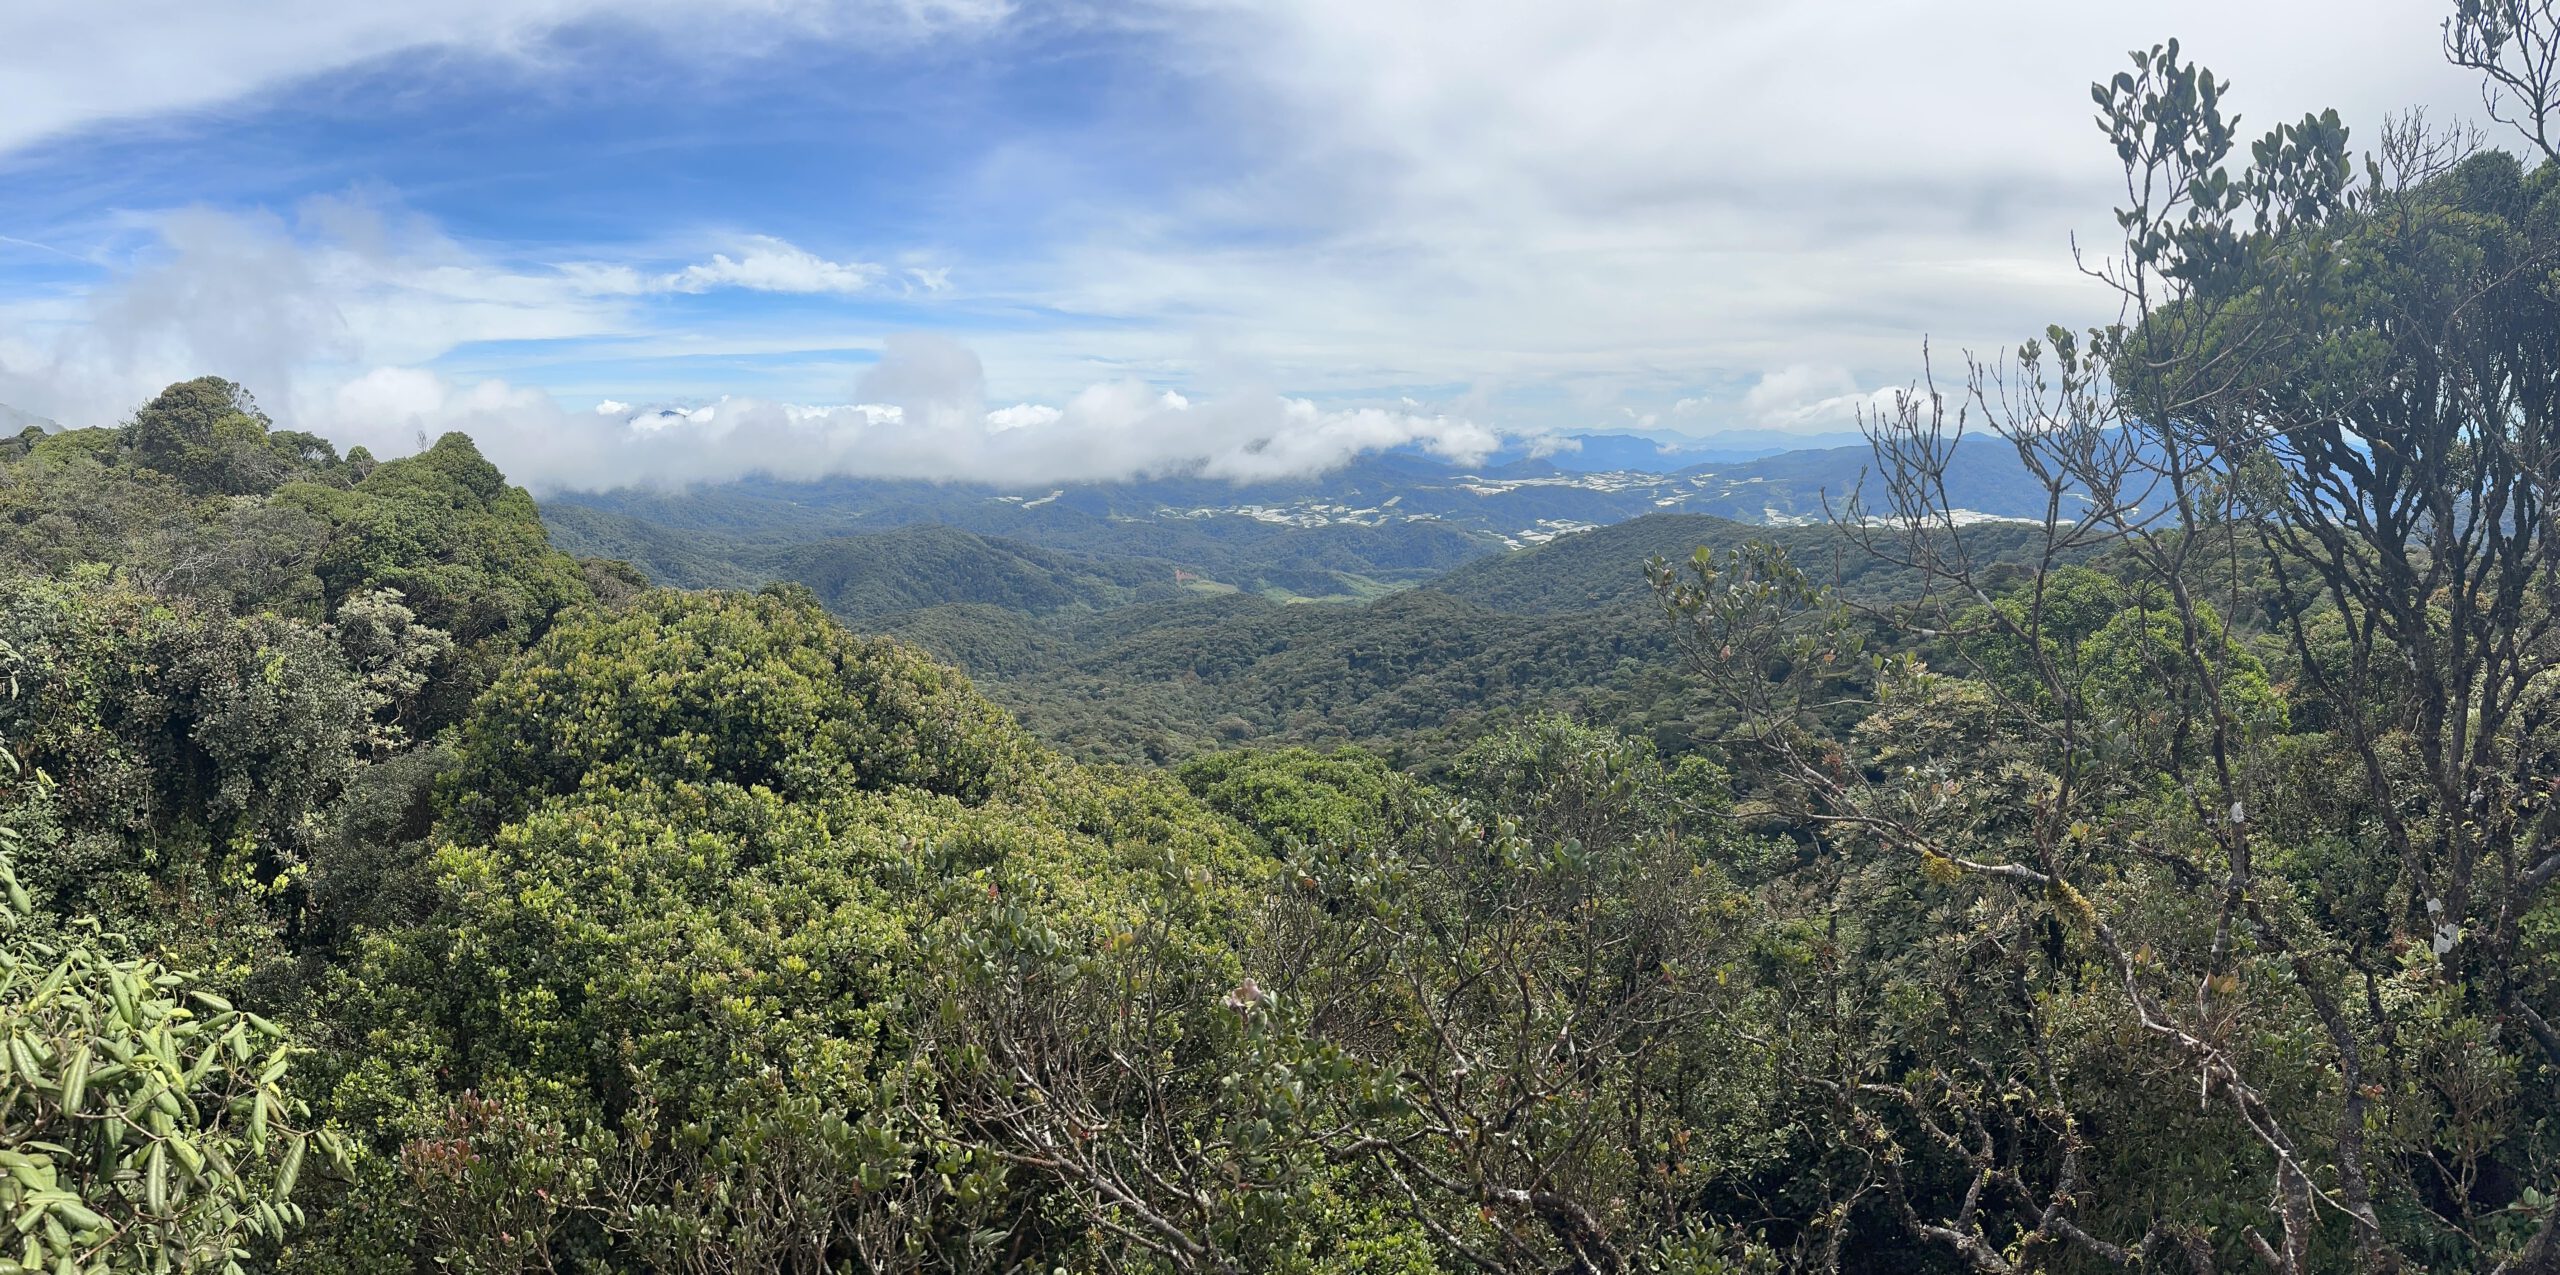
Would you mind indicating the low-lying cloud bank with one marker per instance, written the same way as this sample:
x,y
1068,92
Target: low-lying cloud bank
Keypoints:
x,y
335,318
924,417
915,420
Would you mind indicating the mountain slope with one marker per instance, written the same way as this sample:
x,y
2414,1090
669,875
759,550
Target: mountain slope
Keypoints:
x,y
1594,568
1983,476
1144,620
688,559
1604,567
740,533
1418,674
901,570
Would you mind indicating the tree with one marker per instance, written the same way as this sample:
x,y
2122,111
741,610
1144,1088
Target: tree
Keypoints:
x,y
178,760
701,860
209,435
149,1128
2328,407
2515,46
144,1126
1500,1024
393,655
466,551
751,689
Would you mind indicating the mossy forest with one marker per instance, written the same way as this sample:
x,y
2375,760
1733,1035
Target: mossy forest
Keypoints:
x,y
2161,883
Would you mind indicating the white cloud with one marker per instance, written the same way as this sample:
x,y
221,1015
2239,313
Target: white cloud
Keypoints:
x,y
1627,201
1115,430
770,265
278,305
1788,391
762,264
1820,402
1807,398
340,287
1023,416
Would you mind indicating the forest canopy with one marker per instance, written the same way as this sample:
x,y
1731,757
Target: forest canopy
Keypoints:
x,y
2162,885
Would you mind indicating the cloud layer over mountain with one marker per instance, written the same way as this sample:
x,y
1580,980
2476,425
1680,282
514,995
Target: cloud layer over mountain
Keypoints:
x,y
926,418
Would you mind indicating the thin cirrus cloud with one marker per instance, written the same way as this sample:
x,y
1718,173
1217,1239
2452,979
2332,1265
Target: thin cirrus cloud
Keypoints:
x,y
762,264
66,65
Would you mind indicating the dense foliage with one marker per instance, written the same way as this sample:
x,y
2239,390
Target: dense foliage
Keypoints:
x,y
1113,660
2163,886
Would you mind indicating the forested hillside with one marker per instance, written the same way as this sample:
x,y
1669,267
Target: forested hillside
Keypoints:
x,y
1206,554
2161,885
1417,674
1568,627
1114,660
1592,569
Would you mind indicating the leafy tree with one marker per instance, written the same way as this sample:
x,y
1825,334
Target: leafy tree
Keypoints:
x,y
1462,1010
393,656
66,501
722,837
1293,797
146,1126
208,434
149,1128
465,550
2326,412
176,758
755,690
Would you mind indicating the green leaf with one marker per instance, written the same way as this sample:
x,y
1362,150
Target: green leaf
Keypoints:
x,y
291,1171
75,1079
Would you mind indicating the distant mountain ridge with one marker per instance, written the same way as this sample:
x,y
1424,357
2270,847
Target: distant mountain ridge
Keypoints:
x,y
1384,522
1601,451
1442,507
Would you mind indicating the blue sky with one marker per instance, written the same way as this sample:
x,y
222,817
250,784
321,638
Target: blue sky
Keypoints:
x,y
1089,239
